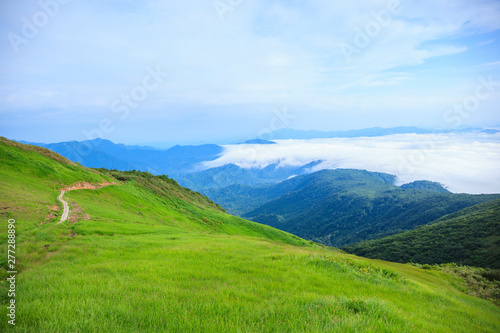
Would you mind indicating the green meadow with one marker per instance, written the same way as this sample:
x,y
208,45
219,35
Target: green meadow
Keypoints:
x,y
146,255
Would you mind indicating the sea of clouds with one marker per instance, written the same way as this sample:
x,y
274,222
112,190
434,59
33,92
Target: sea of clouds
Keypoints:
x,y
463,163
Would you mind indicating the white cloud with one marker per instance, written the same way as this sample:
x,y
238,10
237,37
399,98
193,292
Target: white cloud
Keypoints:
x,y
463,162
283,53
496,63
258,52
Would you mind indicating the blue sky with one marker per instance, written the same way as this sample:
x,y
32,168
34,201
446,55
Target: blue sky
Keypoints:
x,y
202,71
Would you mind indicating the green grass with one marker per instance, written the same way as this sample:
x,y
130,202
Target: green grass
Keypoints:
x,y
180,282
154,257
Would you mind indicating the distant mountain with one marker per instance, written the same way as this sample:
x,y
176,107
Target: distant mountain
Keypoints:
x,y
285,134
179,161
101,153
258,142
341,207
425,185
469,237
218,178
182,163
239,199
368,132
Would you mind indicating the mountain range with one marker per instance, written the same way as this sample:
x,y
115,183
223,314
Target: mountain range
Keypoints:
x,y
285,134
334,207
144,254
99,153
341,207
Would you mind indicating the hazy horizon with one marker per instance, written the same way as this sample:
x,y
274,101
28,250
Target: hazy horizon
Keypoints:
x,y
267,136
464,162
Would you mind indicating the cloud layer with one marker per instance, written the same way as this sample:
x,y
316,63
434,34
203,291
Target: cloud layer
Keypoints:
x,y
464,163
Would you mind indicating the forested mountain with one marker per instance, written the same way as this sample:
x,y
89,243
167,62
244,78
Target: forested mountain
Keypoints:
x,y
209,181
425,185
341,207
240,199
470,237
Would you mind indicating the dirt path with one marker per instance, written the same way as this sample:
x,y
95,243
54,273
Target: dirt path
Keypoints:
x,y
65,214
77,186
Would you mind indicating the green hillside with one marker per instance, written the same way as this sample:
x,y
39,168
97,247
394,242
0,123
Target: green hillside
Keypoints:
x,y
342,207
470,237
146,255
240,199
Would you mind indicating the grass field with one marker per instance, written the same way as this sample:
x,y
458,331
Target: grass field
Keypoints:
x,y
146,255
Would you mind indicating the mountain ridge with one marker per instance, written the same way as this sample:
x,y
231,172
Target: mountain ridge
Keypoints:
x,y
100,153
287,134
339,207
468,237
150,256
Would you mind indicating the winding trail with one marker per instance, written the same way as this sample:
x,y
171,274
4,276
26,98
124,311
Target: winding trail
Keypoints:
x,y
78,186
65,214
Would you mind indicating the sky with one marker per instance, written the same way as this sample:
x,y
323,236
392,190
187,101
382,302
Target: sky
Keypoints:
x,y
182,71
461,162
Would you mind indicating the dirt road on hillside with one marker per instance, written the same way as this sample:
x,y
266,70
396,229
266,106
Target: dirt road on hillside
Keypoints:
x,y
77,186
65,214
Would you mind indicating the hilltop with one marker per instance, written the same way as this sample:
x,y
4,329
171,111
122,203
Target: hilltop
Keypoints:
x,y
147,255
470,237
341,207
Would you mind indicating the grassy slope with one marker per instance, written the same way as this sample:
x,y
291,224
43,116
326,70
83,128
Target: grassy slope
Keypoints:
x,y
176,263
470,237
